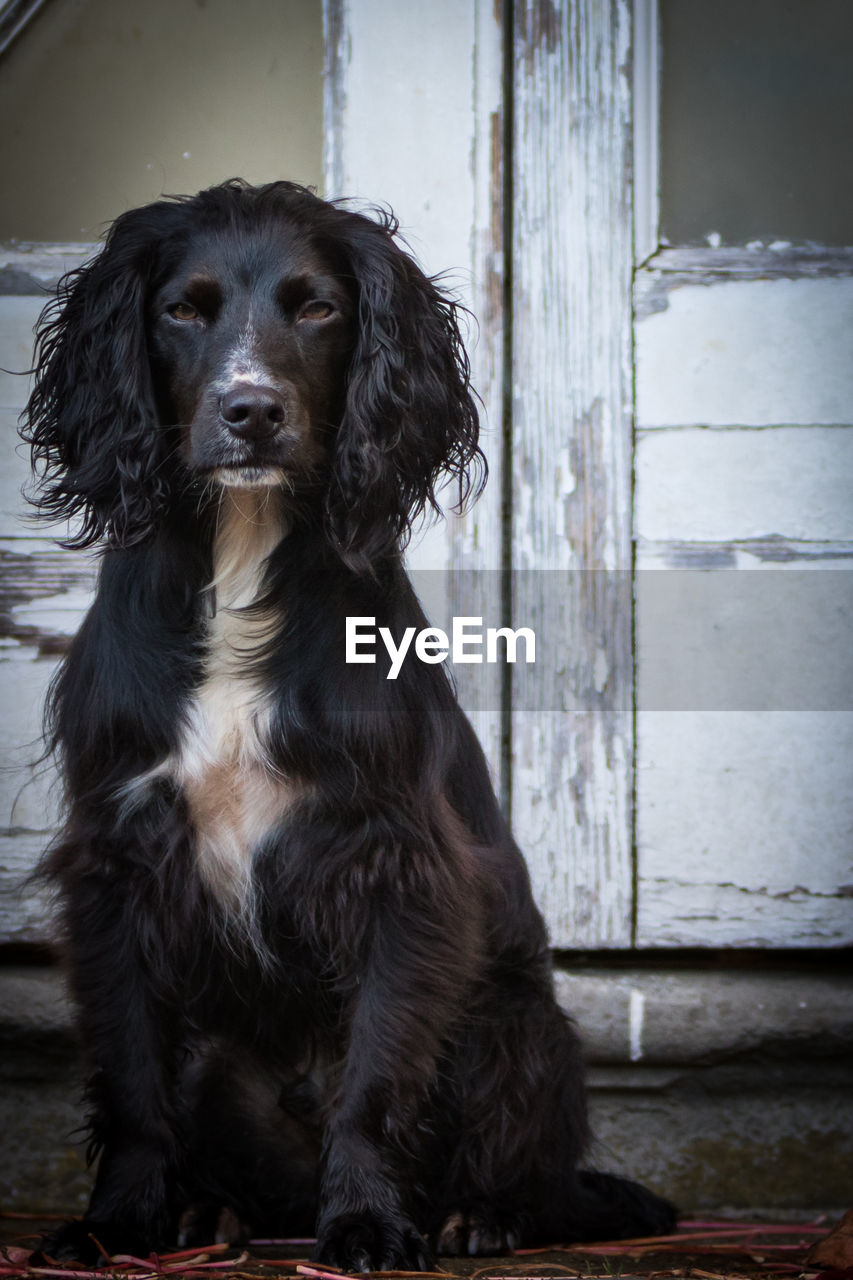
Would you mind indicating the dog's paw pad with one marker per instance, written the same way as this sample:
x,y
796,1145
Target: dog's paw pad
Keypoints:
x,y
362,1242
92,1243
210,1224
476,1234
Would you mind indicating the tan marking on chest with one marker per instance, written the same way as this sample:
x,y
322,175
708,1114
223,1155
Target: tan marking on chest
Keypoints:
x,y
234,793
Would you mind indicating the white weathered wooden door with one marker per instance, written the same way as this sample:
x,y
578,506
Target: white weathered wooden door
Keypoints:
x,y
660,798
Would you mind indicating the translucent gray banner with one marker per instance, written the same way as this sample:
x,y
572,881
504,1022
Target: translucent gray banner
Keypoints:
x,y
676,640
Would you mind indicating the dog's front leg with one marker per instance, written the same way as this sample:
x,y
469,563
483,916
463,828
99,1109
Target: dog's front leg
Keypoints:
x,y
116,962
410,988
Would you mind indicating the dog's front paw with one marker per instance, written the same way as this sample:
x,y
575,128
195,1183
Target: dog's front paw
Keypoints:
x,y
202,1224
368,1242
92,1243
477,1234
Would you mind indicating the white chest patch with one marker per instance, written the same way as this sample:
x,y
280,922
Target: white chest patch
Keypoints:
x,y
234,793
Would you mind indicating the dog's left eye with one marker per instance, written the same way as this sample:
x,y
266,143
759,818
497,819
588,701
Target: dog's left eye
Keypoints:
x,y
315,310
183,311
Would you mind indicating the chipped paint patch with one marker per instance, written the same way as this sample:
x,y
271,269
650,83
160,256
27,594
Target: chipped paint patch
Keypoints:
x,y
636,1009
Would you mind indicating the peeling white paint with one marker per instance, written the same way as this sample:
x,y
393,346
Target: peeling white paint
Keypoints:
x,y
61,614
751,352
759,806
17,317
696,485
572,735
636,1008
566,479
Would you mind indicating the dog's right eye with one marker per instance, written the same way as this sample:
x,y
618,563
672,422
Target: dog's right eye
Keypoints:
x,y
183,311
315,310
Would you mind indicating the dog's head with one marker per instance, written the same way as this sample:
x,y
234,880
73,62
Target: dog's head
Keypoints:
x,y
251,336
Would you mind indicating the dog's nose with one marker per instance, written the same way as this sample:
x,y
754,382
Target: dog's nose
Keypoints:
x,y
251,412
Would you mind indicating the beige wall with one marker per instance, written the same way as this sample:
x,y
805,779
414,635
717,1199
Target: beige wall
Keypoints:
x,y
106,104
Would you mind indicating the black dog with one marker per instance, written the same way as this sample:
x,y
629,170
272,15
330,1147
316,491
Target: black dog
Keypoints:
x,y
312,982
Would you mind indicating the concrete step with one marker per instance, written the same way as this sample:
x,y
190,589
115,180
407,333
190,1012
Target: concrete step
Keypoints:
x,y
720,1090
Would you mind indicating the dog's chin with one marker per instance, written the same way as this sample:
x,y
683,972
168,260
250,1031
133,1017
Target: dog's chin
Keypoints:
x,y
245,477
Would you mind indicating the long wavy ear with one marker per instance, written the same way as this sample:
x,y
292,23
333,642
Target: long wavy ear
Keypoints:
x,y
410,417
91,419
